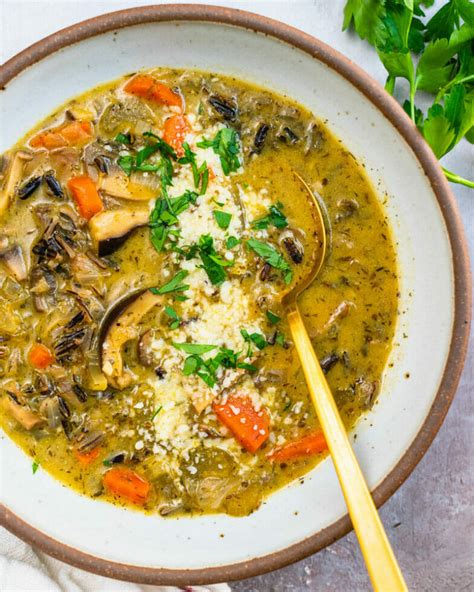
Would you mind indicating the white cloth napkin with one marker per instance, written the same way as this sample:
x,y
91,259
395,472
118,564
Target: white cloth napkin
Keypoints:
x,y
24,569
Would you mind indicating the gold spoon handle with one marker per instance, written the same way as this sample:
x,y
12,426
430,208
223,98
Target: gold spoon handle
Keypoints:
x,y
381,564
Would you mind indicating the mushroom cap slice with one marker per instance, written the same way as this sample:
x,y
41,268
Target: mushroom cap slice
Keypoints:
x,y
118,185
111,228
12,179
24,416
119,326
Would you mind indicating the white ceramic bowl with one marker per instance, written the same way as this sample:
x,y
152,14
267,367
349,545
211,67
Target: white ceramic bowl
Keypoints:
x,y
430,338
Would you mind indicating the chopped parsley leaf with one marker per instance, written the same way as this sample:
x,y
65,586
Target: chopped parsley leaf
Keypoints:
x,y
257,338
226,145
207,369
165,214
175,320
34,466
131,163
272,317
123,138
272,256
200,174
275,218
280,339
194,348
232,242
212,263
222,218
174,285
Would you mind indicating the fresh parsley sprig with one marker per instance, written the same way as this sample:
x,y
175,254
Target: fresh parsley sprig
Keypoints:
x,y
207,369
200,173
445,67
275,217
174,285
272,256
226,145
212,263
165,215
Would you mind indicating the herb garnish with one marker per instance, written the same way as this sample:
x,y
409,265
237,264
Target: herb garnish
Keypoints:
x,y
123,138
272,317
207,369
275,218
194,348
272,256
444,67
200,174
164,167
165,214
232,242
226,145
174,285
34,466
212,263
222,218
158,409
175,320
257,338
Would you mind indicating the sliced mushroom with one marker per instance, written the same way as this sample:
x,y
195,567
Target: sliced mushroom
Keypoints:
x,y
119,185
119,326
12,179
43,286
23,415
145,353
15,262
111,228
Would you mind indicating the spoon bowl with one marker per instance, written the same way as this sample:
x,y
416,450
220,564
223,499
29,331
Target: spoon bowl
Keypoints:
x,y
318,254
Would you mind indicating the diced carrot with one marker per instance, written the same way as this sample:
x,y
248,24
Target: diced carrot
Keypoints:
x,y
87,458
250,427
86,196
164,95
146,87
40,357
125,483
76,132
49,140
140,85
212,174
306,446
174,133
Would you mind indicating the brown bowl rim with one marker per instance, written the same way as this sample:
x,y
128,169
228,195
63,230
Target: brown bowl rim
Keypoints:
x,y
462,274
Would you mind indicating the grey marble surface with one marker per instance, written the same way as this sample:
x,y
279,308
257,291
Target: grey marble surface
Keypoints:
x,y
430,520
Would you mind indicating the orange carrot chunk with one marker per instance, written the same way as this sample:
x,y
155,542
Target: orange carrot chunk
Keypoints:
x,y
76,132
306,446
174,133
40,357
250,427
139,85
148,88
86,196
87,458
125,483
164,95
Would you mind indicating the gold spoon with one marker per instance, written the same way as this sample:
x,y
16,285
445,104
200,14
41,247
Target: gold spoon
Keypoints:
x,y
381,563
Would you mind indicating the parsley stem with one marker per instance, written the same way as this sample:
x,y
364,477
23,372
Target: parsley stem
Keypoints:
x,y
390,84
412,101
446,87
457,179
